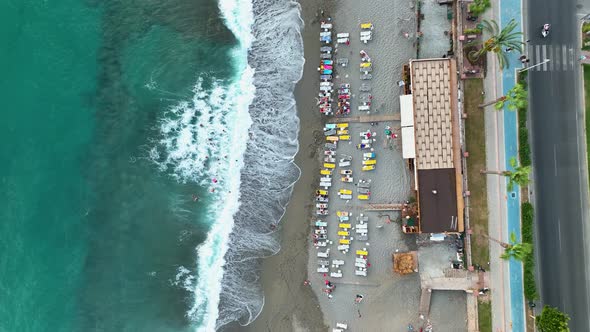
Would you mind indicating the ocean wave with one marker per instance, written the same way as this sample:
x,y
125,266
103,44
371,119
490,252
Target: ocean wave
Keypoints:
x,y
269,171
242,133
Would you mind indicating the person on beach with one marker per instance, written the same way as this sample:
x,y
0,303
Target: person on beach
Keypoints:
x,y
195,198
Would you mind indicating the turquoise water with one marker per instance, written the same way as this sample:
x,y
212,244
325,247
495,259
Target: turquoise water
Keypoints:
x,y
93,233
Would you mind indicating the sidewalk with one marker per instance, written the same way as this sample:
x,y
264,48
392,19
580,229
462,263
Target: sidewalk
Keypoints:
x,y
504,208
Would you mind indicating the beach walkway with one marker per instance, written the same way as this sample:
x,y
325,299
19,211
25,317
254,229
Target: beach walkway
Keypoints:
x,y
368,118
455,280
382,207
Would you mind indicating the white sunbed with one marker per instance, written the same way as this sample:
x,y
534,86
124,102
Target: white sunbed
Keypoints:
x,y
361,231
364,108
342,40
360,273
360,260
325,184
321,224
323,270
336,274
359,264
344,164
323,254
343,35
344,218
342,326
343,247
326,179
321,244
361,226
337,330
346,196
338,262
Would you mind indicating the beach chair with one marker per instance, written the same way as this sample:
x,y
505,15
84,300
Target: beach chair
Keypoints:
x,y
337,262
344,226
344,138
366,141
336,274
359,264
342,213
342,132
360,273
342,326
325,184
344,241
367,26
362,252
365,64
324,254
368,168
321,224
361,226
345,191
342,125
332,138
344,164
330,159
363,237
364,191
323,270
370,162
346,197
343,35
325,179
363,197
321,192
325,172
369,155
329,165
343,247
364,108
347,179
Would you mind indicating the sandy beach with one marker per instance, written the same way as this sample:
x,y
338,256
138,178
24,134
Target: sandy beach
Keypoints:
x,y
390,301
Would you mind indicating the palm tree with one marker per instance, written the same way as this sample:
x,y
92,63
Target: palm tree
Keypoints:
x,y
519,251
519,175
516,98
498,42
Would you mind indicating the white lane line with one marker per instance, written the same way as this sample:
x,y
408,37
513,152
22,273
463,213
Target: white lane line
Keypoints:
x,y
550,56
555,157
543,56
538,55
564,51
559,233
557,58
571,58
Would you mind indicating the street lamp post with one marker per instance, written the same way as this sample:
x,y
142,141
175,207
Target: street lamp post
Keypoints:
x,y
533,66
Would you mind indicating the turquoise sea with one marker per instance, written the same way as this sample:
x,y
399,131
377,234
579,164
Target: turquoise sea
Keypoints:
x,y
129,149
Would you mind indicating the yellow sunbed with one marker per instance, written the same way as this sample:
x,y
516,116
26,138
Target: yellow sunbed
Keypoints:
x,y
370,162
363,197
321,192
366,25
342,125
329,165
362,252
342,132
345,226
365,64
342,213
325,172
368,167
345,192
344,138
344,241
343,233
332,138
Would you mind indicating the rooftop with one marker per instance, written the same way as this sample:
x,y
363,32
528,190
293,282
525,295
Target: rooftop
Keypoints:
x,y
438,200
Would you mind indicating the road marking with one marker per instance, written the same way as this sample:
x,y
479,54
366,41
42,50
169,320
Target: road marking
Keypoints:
x,y
571,58
555,158
564,51
550,56
544,53
559,233
557,58
537,52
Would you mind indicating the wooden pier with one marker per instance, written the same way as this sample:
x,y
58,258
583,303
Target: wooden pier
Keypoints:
x,y
368,118
383,207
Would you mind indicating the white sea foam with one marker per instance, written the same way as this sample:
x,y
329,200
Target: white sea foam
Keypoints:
x,y
252,120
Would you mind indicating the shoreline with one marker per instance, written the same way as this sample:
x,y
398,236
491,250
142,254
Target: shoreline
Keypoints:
x,y
289,305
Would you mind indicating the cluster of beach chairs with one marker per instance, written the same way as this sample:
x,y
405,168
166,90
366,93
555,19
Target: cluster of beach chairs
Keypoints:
x,y
366,32
340,327
326,69
369,162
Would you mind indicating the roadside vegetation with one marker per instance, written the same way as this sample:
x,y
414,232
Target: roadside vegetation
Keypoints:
x,y
475,145
478,215
587,99
530,286
552,320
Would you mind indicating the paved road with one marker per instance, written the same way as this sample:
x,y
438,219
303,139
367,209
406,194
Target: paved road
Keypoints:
x,y
560,180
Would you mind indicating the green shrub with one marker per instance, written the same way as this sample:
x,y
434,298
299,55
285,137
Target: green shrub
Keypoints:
x,y
530,285
524,148
478,7
474,31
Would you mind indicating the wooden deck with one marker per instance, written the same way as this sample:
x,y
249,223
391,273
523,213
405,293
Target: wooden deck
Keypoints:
x,y
382,207
368,118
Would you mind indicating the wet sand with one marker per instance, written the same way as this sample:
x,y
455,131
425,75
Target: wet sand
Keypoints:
x,y
289,304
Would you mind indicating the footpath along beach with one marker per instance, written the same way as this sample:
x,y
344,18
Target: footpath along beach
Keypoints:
x,y
305,292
